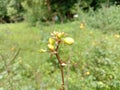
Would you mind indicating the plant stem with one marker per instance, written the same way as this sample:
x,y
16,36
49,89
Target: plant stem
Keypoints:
x,y
60,63
62,74
61,68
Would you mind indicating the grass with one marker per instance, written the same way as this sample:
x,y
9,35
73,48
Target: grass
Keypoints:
x,y
94,58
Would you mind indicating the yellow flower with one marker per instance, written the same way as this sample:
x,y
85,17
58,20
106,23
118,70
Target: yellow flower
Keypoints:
x,y
51,41
60,34
87,73
42,50
13,48
81,26
117,36
51,47
68,40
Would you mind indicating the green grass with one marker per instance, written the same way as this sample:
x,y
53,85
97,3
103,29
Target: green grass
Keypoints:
x,y
94,51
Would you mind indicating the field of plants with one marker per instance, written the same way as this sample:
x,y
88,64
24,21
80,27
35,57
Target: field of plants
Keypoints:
x,y
93,60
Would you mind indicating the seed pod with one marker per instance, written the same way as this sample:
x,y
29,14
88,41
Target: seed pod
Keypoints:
x,y
68,40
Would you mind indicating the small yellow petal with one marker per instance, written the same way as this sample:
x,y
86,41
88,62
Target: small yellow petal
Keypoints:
x,y
51,47
68,40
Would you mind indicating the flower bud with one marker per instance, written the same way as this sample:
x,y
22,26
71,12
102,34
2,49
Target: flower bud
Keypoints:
x,y
51,47
68,40
51,41
60,34
63,64
13,49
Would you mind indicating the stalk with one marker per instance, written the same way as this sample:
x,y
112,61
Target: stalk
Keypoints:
x,y
60,63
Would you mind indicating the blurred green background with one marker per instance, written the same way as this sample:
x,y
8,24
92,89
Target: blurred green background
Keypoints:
x,y
92,61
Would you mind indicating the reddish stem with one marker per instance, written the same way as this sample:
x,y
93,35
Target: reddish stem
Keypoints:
x,y
60,63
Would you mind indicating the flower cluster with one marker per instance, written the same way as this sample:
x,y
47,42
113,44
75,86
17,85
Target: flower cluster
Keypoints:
x,y
57,38
54,41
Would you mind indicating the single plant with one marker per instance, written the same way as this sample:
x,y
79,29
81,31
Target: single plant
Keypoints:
x,y
54,42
